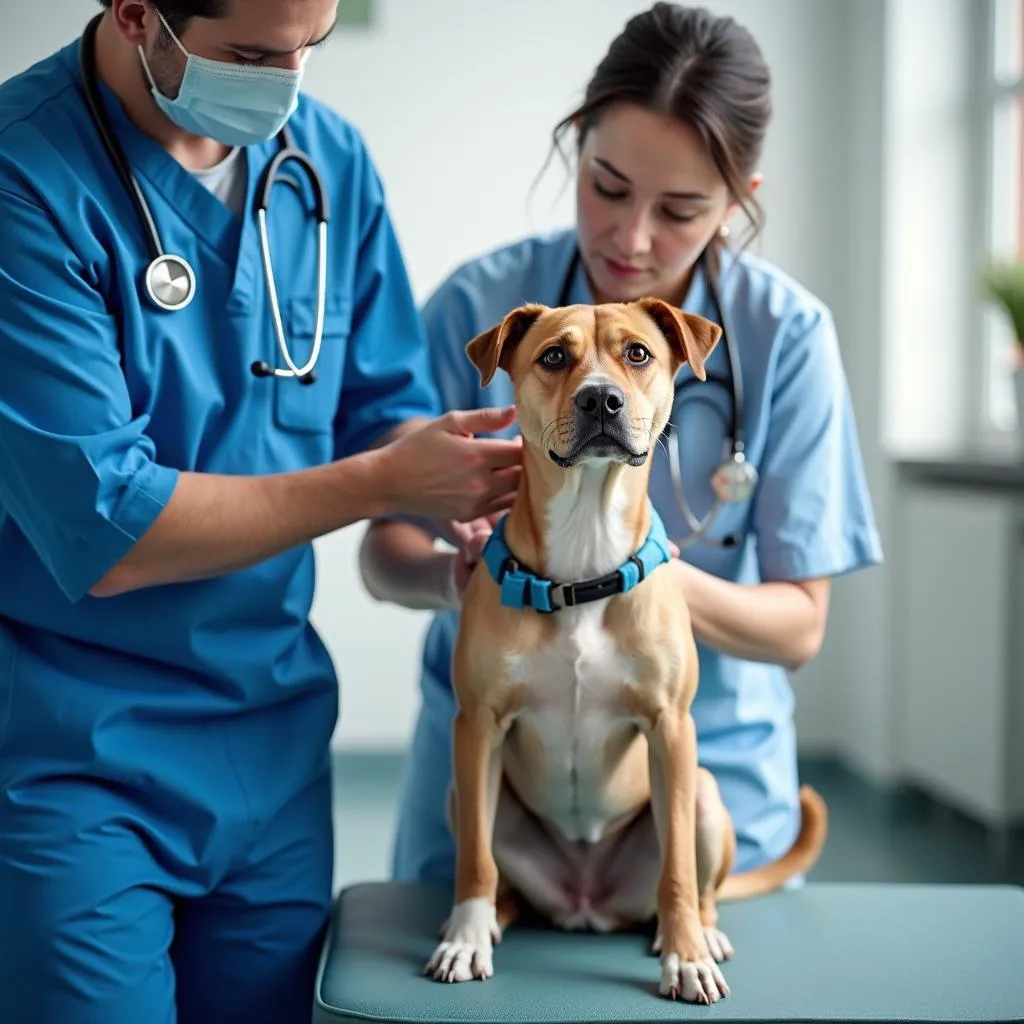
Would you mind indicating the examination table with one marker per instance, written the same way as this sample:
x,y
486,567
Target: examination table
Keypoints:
x,y
827,952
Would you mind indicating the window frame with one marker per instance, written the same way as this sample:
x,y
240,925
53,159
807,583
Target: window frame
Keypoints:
x,y
994,416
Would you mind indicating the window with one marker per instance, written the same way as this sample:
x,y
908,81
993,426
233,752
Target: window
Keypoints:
x,y
1005,235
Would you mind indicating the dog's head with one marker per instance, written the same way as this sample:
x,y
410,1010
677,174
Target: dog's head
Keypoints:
x,y
594,383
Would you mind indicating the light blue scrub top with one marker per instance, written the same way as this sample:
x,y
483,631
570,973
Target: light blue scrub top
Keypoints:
x,y
810,516
200,683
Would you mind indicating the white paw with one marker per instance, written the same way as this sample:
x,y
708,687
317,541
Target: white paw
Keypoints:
x,y
465,949
696,981
719,945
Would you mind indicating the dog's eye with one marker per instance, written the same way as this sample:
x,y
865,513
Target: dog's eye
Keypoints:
x,y
637,354
553,358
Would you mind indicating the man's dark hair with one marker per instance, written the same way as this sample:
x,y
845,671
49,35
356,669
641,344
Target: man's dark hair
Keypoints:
x,y
178,13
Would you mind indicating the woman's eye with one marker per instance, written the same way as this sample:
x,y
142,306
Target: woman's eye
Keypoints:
x,y
608,193
680,218
553,358
637,354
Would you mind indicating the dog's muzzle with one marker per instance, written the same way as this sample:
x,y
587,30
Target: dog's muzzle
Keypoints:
x,y
600,428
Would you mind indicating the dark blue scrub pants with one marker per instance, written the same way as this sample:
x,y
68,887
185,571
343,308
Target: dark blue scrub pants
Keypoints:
x,y
183,900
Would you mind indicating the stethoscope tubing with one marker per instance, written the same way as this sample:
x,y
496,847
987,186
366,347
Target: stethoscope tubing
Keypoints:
x,y
287,151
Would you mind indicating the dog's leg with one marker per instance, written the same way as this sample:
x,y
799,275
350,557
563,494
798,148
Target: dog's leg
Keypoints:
x,y
466,948
716,851
507,903
630,871
687,968
716,846
506,910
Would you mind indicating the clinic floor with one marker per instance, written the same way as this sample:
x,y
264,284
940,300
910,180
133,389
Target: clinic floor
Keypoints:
x,y
874,836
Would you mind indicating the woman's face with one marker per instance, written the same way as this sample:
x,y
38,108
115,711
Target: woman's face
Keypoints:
x,y
648,200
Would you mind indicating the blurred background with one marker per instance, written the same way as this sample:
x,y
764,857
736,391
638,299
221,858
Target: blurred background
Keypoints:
x,y
893,173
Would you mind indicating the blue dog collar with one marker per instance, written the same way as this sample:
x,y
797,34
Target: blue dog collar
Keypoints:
x,y
523,588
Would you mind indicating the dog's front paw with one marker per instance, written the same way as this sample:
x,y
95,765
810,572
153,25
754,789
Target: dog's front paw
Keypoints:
x,y
719,945
465,949
694,980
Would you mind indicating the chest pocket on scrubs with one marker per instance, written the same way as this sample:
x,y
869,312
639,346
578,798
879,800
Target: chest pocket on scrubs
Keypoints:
x,y
311,408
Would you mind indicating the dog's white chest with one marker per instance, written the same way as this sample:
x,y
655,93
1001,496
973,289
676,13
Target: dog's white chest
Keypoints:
x,y
581,670
575,710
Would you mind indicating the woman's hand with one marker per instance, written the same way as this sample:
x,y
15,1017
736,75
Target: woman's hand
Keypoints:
x,y
470,539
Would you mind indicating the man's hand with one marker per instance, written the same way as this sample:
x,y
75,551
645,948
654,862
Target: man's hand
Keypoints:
x,y
441,471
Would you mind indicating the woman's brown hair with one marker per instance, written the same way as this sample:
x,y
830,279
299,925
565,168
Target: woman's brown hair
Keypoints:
x,y
697,68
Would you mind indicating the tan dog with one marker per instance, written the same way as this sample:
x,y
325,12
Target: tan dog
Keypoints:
x,y
576,785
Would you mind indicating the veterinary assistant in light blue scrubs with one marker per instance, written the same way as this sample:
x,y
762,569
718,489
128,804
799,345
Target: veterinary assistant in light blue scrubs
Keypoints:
x,y
165,705
654,205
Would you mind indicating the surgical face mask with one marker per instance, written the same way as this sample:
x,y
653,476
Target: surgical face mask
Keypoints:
x,y
235,104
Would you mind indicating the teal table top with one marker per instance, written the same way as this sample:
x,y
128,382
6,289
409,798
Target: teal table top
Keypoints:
x,y
827,952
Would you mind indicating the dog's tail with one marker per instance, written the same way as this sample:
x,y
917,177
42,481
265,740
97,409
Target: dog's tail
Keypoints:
x,y
800,857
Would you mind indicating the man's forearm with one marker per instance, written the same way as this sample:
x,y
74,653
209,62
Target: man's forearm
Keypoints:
x,y
214,524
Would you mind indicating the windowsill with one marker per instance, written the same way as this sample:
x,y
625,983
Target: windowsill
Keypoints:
x,y
976,469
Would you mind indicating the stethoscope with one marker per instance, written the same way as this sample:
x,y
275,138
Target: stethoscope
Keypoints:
x,y
170,282
735,478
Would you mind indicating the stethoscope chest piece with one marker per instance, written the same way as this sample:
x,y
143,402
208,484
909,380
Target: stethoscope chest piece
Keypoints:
x,y
735,479
170,282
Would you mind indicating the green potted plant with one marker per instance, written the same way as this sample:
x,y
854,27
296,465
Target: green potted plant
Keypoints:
x,y
1004,284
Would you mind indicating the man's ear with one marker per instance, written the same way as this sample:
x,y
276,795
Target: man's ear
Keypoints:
x,y
494,347
691,337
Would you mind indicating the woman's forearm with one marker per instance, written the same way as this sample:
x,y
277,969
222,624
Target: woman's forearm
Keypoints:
x,y
782,623
399,564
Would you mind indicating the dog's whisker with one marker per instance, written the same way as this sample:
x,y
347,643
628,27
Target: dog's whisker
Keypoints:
x,y
553,427
557,430
643,426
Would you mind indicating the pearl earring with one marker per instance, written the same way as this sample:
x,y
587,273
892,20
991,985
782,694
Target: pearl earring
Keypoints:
x,y
724,230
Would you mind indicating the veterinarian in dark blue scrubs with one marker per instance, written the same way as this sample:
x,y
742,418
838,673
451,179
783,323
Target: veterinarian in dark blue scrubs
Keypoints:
x,y
165,705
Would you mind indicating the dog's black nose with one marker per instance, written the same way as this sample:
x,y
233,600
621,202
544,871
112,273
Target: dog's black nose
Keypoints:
x,y
600,401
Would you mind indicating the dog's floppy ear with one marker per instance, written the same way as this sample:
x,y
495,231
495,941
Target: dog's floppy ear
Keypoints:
x,y
692,337
494,347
